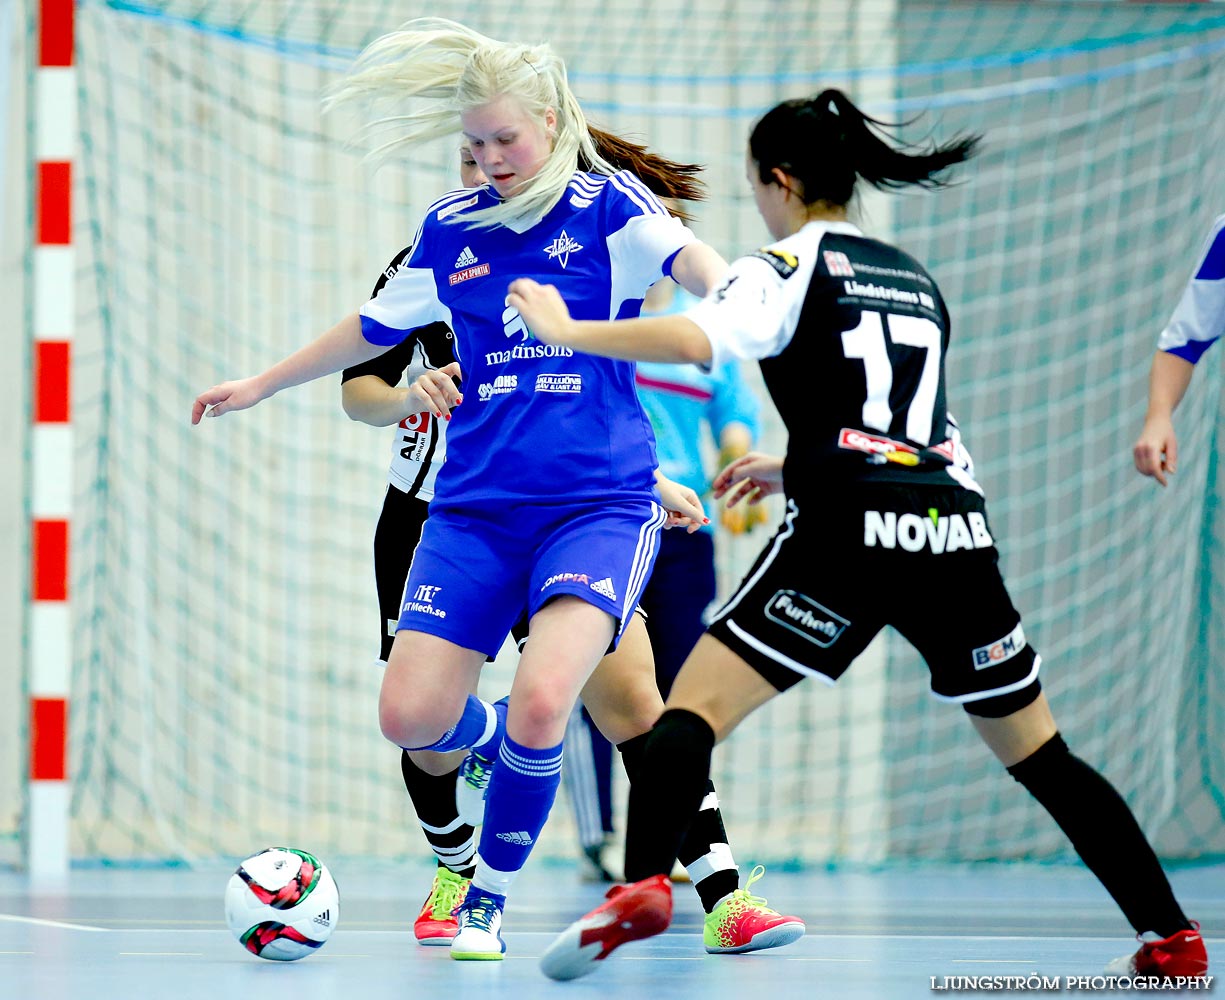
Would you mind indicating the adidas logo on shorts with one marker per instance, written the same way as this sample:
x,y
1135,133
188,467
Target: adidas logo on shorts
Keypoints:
x,y
605,587
521,837
466,258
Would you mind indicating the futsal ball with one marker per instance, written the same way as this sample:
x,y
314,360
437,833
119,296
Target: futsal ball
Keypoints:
x,y
282,904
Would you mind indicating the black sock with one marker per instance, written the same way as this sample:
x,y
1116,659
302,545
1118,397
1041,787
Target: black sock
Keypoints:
x,y
704,852
1104,833
433,795
672,775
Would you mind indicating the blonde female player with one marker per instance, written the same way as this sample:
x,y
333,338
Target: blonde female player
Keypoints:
x,y
547,498
867,453
620,695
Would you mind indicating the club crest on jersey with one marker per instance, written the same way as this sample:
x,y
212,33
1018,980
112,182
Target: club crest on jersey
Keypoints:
x,y
804,616
561,248
782,262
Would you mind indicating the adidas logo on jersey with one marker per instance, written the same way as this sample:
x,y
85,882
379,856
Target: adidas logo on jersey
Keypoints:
x,y
605,587
466,258
520,837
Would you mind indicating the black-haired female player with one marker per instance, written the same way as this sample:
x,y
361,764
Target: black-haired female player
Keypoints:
x,y
825,308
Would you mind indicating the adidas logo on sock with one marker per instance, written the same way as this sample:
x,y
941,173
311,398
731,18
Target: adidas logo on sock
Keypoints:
x,y
521,837
605,587
324,918
466,258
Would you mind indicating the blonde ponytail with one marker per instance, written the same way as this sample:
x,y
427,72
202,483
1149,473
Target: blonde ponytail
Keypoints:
x,y
449,68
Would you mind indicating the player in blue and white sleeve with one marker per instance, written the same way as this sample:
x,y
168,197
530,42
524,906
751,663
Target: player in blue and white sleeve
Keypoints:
x,y
616,696
1198,322
547,499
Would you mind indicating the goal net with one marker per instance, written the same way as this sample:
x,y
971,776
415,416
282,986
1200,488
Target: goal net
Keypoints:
x,y
224,685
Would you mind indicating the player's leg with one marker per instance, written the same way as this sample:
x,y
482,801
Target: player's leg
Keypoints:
x,y
586,566
428,777
980,657
568,637
713,691
753,650
623,699
461,598
681,588
1104,832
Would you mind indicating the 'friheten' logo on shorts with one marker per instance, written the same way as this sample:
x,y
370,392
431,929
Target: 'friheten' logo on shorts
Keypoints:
x,y
804,616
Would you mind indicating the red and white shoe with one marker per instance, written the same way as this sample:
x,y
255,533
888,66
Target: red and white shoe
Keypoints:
x,y
436,924
1181,954
632,912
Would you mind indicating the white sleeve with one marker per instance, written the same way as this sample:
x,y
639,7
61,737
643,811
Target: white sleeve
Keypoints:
x,y
753,314
642,239
1199,317
409,300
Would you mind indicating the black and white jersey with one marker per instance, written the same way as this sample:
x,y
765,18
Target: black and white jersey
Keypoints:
x,y
851,335
420,443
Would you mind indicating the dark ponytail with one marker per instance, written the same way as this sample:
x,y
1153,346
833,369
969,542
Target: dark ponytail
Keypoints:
x,y
663,177
827,143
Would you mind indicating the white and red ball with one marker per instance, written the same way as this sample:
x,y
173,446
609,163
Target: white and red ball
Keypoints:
x,y
282,904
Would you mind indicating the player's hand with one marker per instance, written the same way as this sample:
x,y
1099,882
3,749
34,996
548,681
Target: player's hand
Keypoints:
x,y
543,309
435,390
683,505
1156,453
752,477
227,396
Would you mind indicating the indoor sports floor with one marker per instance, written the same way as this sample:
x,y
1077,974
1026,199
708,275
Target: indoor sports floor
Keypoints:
x,y
149,934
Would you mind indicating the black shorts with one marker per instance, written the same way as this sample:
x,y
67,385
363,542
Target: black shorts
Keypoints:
x,y
395,539
921,559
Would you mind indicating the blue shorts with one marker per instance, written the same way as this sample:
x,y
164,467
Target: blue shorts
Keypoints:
x,y
477,567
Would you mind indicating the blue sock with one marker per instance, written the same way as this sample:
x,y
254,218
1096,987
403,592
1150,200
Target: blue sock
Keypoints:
x,y
520,796
481,726
489,747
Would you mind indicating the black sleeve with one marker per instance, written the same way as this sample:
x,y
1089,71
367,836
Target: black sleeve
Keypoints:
x,y
390,365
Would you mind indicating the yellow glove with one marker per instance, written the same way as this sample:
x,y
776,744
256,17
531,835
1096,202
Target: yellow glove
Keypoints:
x,y
742,518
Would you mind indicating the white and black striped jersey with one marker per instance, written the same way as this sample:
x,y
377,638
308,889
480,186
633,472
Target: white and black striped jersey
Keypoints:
x,y
420,444
851,334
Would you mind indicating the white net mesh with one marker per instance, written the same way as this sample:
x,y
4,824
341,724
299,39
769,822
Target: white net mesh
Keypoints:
x,y
224,693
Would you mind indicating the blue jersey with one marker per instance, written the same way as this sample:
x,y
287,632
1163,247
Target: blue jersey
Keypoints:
x,y
1199,318
538,422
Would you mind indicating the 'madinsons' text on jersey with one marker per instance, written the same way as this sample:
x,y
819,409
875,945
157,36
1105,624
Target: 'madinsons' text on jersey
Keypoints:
x,y
851,334
537,421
